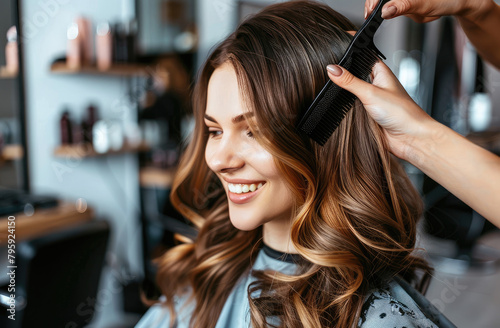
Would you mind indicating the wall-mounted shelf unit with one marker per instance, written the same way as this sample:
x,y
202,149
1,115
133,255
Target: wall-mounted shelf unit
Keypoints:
x,y
45,221
152,177
11,153
87,151
5,74
122,70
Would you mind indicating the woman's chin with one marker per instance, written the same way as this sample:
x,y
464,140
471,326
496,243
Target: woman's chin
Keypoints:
x,y
241,223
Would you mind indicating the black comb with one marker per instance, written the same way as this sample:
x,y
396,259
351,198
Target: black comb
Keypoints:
x,y
332,103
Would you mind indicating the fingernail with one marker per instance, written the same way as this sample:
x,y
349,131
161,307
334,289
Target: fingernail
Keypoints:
x,y
334,69
365,12
389,12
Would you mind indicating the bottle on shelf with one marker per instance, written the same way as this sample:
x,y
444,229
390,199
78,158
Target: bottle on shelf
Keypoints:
x,y
124,42
73,50
104,46
66,128
85,28
88,123
100,137
107,136
79,48
11,52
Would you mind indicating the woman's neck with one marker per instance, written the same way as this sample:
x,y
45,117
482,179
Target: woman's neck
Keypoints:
x,y
276,234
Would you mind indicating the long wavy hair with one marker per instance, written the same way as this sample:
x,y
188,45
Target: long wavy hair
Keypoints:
x,y
354,223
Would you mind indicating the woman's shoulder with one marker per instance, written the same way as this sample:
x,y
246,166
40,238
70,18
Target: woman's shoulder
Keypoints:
x,y
399,305
156,316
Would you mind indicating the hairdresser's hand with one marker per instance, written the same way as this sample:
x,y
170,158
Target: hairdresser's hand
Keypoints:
x,y
388,104
428,10
441,153
480,19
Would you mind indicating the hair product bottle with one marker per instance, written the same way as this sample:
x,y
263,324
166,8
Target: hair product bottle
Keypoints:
x,y
73,51
11,53
66,128
104,46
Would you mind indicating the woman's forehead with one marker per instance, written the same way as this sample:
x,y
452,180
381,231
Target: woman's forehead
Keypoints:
x,y
224,95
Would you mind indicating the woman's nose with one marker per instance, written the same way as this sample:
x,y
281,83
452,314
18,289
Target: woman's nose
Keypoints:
x,y
224,156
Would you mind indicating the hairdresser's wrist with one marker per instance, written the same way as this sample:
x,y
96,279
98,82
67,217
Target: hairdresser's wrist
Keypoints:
x,y
425,144
475,11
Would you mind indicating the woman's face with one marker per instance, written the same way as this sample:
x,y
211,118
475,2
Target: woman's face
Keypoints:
x,y
256,192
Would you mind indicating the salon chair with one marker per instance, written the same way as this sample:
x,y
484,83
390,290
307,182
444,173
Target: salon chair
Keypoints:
x,y
160,222
57,277
448,219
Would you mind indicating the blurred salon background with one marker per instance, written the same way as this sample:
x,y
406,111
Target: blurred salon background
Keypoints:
x,y
95,111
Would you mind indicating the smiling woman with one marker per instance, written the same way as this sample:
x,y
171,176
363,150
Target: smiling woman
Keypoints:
x,y
291,234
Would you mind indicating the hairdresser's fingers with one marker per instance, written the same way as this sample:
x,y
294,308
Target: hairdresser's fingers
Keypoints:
x,y
369,6
344,79
415,10
384,78
385,100
397,8
423,11
379,99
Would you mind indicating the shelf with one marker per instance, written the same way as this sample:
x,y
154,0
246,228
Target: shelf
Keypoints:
x,y
11,153
151,177
5,74
86,151
45,221
115,70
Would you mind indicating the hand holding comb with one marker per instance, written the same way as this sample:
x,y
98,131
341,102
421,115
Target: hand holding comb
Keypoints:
x,y
332,103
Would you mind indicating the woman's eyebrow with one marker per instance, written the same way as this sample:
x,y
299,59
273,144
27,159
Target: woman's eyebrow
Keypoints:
x,y
237,119
242,117
210,118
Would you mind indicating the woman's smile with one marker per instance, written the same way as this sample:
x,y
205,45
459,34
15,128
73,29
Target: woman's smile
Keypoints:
x,y
243,188
243,193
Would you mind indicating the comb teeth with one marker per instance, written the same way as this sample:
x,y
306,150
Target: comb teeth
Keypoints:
x,y
333,102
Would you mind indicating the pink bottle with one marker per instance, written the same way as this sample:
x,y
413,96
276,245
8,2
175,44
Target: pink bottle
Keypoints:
x,y
86,42
11,52
73,50
79,51
104,46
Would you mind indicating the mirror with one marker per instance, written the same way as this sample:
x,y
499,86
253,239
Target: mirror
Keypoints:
x,y
165,26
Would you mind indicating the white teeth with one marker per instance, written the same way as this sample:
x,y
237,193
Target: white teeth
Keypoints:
x,y
243,188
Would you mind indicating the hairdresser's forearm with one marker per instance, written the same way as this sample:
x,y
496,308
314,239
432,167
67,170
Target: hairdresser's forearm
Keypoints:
x,y
482,28
468,171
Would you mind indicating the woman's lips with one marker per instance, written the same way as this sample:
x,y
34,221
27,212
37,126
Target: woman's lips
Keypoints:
x,y
243,197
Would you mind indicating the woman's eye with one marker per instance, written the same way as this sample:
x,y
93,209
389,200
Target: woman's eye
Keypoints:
x,y
214,133
250,134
